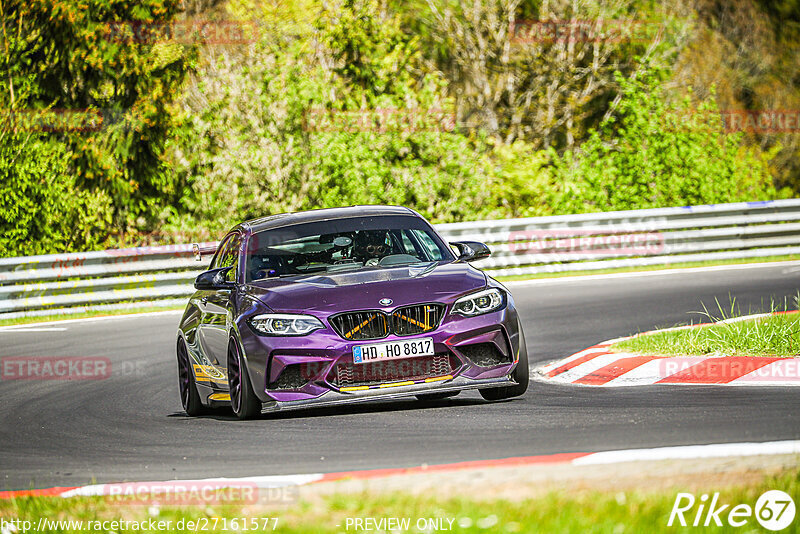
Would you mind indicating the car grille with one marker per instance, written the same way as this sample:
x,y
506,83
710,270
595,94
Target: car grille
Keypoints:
x,y
374,324
418,319
294,376
361,325
484,354
347,374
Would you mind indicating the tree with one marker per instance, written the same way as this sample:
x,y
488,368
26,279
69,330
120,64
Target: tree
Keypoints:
x,y
41,209
336,114
108,59
653,153
542,72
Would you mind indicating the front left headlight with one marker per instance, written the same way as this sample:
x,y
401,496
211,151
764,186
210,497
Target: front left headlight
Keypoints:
x,y
284,324
479,303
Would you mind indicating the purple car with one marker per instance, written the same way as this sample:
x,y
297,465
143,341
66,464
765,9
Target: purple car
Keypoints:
x,y
345,305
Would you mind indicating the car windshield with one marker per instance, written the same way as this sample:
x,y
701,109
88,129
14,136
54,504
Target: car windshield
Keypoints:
x,y
343,245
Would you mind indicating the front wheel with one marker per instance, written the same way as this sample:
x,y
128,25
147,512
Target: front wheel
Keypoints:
x,y
519,375
244,402
190,399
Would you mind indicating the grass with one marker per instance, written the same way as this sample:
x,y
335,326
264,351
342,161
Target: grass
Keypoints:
x,y
612,511
774,335
84,315
672,266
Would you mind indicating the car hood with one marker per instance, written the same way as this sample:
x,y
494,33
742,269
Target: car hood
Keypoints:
x,y
333,293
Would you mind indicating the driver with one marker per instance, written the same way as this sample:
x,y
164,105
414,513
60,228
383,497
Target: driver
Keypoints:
x,y
370,246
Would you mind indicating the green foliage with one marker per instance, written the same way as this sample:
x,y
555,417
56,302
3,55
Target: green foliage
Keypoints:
x,y
336,103
276,129
523,184
561,504
368,49
41,209
87,57
775,335
654,154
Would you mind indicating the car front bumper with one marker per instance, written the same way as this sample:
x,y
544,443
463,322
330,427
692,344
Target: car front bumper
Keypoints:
x,y
337,398
268,357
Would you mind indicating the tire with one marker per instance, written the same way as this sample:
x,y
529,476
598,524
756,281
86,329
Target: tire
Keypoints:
x,y
436,396
244,402
519,375
190,398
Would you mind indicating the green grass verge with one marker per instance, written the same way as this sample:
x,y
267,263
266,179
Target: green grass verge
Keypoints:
x,y
671,266
611,511
776,335
83,315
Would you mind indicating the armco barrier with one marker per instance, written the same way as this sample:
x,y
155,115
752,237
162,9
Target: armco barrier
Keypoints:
x,y
40,285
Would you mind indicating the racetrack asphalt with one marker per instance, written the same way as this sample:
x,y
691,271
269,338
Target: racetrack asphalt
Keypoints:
x,y
130,426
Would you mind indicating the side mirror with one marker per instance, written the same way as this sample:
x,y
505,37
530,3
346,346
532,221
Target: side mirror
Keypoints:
x,y
213,279
471,250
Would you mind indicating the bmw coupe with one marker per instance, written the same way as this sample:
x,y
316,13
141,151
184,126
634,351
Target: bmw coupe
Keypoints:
x,y
345,305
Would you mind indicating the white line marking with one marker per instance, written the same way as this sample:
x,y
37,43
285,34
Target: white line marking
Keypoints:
x,y
744,318
781,372
35,329
719,450
645,374
662,272
690,452
586,368
93,319
269,481
558,363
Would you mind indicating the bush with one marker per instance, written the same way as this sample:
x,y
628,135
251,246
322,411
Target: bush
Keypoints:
x,y
656,154
275,129
41,208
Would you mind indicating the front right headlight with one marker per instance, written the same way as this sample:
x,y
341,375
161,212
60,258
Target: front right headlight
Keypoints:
x,y
284,324
479,303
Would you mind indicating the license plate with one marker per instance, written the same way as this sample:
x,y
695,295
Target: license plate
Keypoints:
x,y
393,350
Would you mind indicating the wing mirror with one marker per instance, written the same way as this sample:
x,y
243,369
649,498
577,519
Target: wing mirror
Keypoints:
x,y
213,279
471,250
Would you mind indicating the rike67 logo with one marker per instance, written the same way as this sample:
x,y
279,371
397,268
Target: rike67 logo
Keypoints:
x,y
774,510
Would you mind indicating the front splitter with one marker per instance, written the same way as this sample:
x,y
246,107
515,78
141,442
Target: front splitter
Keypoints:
x,y
335,398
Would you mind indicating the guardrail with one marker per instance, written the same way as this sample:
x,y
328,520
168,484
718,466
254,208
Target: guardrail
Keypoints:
x,y
64,283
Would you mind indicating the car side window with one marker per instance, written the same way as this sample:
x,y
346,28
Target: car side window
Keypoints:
x,y
230,256
217,261
425,240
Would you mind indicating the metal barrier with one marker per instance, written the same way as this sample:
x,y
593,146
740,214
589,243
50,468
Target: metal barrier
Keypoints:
x,y
62,283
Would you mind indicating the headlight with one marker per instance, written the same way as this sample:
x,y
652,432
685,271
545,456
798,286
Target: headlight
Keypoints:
x,y
478,303
275,324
